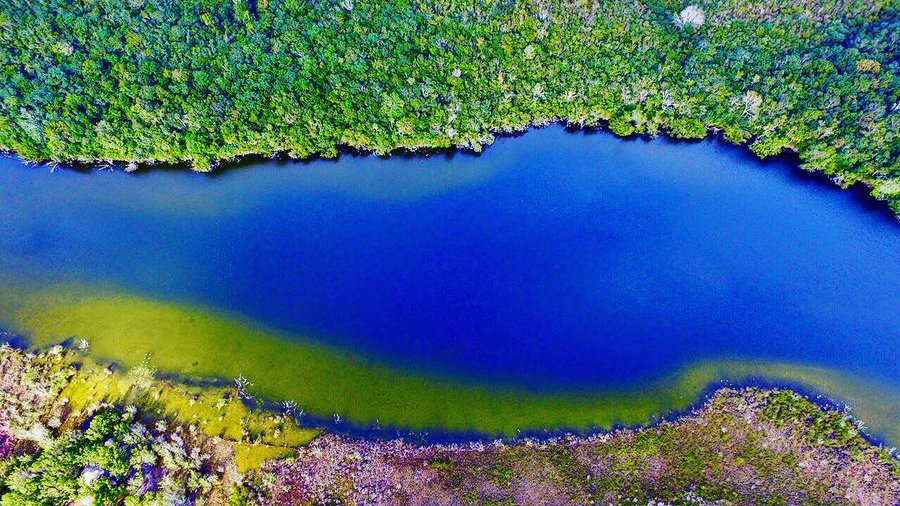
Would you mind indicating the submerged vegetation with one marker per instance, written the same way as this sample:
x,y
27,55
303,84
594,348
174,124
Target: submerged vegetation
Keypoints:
x,y
328,383
205,80
75,432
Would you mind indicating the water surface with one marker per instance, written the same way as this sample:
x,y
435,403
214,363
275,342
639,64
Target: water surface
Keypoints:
x,y
552,261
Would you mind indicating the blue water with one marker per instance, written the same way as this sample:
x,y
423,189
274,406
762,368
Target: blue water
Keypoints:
x,y
553,259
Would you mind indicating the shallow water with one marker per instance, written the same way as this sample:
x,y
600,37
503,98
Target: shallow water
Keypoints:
x,y
554,260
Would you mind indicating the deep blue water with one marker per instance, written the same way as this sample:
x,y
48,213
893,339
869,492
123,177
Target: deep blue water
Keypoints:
x,y
551,259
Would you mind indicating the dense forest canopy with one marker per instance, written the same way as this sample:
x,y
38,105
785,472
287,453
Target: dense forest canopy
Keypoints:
x,y
204,80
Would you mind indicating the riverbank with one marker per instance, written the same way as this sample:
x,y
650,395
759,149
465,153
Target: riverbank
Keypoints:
x,y
330,383
198,83
167,441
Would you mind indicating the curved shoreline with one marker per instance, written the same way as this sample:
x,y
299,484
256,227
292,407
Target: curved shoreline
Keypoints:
x,y
742,445
714,134
330,383
441,436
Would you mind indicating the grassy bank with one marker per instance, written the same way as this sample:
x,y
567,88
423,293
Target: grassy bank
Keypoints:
x,y
75,432
203,80
197,343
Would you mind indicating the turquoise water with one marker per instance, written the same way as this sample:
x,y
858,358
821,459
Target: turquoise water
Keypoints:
x,y
553,259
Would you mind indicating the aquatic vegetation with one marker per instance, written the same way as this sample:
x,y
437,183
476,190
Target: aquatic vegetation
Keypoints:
x,y
204,80
321,380
330,384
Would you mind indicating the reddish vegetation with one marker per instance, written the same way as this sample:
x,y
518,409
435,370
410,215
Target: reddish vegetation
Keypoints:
x,y
743,446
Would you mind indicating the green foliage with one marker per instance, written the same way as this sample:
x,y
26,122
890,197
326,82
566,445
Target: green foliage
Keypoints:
x,y
240,496
108,448
203,80
829,427
111,461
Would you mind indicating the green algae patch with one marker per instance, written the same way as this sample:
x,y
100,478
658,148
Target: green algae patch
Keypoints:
x,y
250,456
321,380
194,342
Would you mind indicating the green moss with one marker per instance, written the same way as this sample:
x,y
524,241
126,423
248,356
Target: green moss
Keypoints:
x,y
249,456
498,502
239,496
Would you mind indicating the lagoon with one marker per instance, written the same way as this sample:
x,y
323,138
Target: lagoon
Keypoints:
x,y
552,262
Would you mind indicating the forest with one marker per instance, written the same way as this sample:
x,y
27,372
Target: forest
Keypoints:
x,y
202,81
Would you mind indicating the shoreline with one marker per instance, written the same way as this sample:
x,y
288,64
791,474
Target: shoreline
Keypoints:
x,y
431,435
713,134
197,342
746,444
